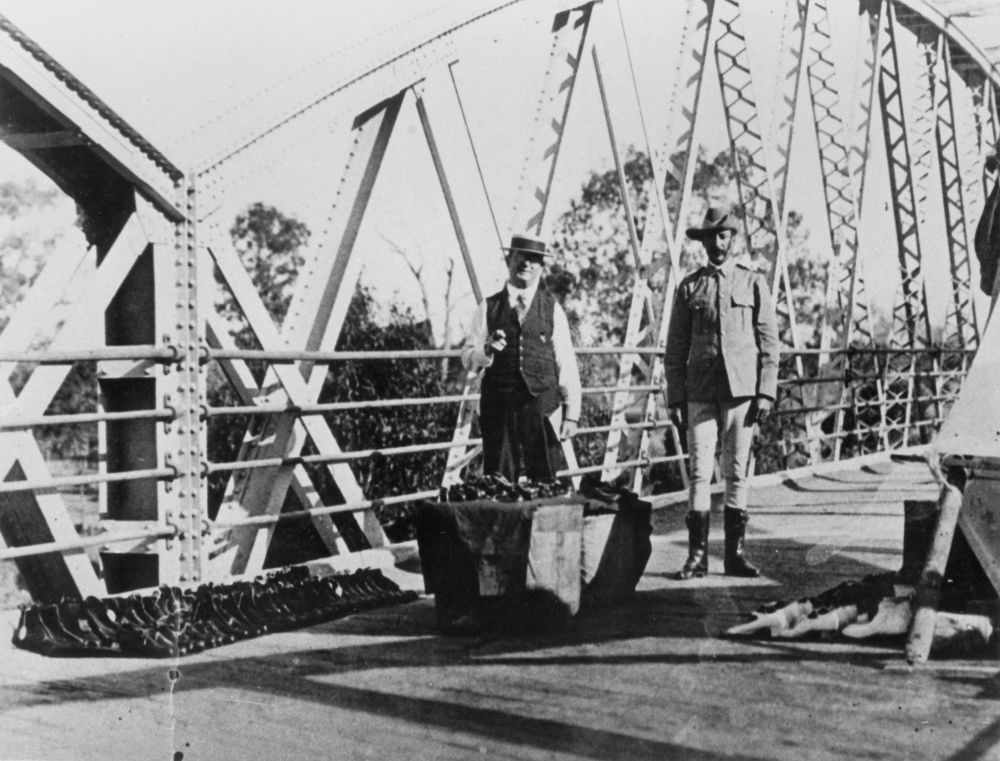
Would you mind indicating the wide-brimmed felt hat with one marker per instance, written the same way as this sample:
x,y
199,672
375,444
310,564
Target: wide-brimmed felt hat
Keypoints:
x,y
528,244
715,219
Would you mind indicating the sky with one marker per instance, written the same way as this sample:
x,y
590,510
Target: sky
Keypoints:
x,y
196,77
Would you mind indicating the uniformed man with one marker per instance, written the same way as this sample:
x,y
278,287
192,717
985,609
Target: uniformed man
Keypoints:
x,y
531,383
722,370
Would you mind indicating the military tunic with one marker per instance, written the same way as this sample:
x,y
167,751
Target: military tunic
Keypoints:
x,y
722,342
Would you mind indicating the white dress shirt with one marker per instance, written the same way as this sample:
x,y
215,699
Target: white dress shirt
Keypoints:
x,y
474,357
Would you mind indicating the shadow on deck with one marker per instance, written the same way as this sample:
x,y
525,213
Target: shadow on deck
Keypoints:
x,y
648,679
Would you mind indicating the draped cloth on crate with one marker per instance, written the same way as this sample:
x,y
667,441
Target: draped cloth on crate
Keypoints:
x,y
511,566
474,548
616,546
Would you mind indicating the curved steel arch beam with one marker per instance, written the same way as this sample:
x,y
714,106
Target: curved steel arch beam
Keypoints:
x,y
384,74
943,22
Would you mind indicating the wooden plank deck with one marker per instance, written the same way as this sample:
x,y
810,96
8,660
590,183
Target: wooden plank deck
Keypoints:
x,y
650,679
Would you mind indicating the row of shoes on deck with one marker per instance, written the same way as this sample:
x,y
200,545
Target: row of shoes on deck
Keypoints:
x,y
494,486
172,622
873,607
829,612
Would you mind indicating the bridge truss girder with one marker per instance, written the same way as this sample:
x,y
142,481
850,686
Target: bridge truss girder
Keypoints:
x,y
166,238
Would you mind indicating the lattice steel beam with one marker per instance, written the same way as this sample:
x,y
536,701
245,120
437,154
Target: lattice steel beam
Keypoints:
x,y
784,98
846,318
833,142
682,112
911,325
968,88
961,326
759,210
569,35
924,157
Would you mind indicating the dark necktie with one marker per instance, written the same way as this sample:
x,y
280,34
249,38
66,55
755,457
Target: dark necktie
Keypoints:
x,y
521,307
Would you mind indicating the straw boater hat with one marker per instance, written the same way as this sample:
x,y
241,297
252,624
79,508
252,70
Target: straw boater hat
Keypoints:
x,y
528,244
716,219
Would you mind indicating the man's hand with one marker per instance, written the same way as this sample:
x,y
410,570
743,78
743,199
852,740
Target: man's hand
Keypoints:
x,y
762,409
568,429
497,342
678,415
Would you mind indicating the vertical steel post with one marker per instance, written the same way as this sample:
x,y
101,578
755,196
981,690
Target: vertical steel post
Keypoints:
x,y
911,325
761,216
870,424
673,167
188,510
456,164
641,314
961,325
846,317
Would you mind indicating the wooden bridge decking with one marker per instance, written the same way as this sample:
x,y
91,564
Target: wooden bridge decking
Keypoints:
x,y
650,679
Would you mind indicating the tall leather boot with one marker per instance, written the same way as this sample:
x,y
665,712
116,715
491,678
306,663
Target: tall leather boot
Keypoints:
x,y
697,562
735,522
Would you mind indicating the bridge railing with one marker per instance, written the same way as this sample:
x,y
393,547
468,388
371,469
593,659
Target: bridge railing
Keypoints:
x,y
844,393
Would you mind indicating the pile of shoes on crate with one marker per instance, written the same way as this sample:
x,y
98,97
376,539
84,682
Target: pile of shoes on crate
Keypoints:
x,y
495,487
173,621
604,496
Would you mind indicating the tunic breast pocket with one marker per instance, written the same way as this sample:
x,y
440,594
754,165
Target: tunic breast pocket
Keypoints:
x,y
742,310
701,316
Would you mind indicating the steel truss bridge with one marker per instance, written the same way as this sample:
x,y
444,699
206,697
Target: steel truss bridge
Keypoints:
x,y
894,90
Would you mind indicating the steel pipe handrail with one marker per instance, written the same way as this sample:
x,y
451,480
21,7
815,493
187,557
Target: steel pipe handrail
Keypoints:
x,y
53,484
647,425
637,389
363,454
347,507
369,504
12,553
340,457
292,355
610,350
315,409
15,422
880,350
285,356
67,356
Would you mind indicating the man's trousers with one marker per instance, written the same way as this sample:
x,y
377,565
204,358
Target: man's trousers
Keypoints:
x,y
708,423
518,436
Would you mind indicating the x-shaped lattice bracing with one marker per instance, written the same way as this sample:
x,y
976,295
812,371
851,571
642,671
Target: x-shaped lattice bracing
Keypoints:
x,y
77,329
94,294
315,319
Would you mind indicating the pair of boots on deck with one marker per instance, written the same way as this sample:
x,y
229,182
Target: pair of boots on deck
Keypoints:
x,y
734,563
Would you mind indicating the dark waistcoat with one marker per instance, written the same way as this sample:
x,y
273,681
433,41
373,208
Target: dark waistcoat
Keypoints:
x,y
529,354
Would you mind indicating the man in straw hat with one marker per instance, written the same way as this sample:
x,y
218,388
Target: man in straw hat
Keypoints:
x,y
531,383
722,374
